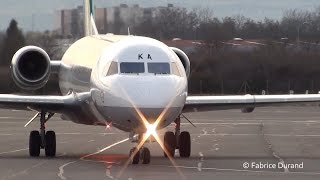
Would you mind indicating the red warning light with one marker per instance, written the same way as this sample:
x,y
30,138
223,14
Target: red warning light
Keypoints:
x,y
108,125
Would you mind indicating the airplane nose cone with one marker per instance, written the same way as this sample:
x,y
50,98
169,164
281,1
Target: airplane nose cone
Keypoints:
x,y
132,99
150,94
144,95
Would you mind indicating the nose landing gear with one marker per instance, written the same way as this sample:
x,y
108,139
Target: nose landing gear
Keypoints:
x,y
172,141
143,154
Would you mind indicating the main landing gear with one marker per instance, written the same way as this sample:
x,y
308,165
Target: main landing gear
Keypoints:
x,y
177,140
42,139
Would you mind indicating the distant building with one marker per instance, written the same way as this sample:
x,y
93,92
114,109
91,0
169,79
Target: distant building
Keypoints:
x,y
69,22
115,20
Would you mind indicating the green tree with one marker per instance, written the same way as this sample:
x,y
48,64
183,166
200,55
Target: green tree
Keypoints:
x,y
13,41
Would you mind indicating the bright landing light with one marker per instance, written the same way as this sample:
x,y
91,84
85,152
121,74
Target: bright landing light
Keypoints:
x,y
151,129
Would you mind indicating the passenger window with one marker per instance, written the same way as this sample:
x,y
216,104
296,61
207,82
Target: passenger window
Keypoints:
x,y
132,68
159,68
175,69
113,69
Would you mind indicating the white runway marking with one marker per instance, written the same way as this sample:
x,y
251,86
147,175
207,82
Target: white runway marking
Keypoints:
x,y
25,149
104,149
15,118
62,154
286,170
253,134
215,147
87,133
61,168
200,166
201,159
4,134
213,130
195,134
204,132
108,172
14,151
25,171
274,154
201,156
247,122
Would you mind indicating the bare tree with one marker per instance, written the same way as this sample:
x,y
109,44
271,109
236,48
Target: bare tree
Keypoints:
x,y
46,40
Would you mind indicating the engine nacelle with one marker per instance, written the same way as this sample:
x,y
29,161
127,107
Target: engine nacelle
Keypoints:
x,y
184,59
31,68
247,109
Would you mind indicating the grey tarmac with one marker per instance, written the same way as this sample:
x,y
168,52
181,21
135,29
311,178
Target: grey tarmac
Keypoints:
x,y
223,143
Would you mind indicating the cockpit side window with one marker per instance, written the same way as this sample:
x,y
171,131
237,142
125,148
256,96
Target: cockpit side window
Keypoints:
x,y
132,67
159,68
175,69
113,69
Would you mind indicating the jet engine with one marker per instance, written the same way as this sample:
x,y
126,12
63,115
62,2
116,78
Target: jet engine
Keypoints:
x,y
30,68
247,109
184,59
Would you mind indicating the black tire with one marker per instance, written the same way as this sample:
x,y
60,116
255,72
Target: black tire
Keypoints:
x,y
145,156
34,143
185,144
136,158
170,143
50,145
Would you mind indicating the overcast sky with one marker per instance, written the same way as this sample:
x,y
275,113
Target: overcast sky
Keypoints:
x,y
43,10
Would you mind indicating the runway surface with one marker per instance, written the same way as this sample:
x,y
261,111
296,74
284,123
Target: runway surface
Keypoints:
x,y
225,145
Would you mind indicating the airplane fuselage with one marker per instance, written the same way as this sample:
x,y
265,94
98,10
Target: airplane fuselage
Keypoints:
x,y
129,78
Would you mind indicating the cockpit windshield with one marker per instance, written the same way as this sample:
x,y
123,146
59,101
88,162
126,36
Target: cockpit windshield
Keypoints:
x,y
113,69
159,68
132,67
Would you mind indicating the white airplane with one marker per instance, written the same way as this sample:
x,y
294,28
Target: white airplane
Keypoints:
x,y
136,83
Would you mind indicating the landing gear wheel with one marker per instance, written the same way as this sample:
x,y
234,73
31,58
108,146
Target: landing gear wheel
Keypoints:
x,y
169,143
50,144
145,156
136,157
34,143
185,144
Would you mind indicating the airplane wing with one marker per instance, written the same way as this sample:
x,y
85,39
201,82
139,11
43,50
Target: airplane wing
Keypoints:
x,y
49,103
208,103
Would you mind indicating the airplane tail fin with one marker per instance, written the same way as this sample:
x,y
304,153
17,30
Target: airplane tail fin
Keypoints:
x,y
90,27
